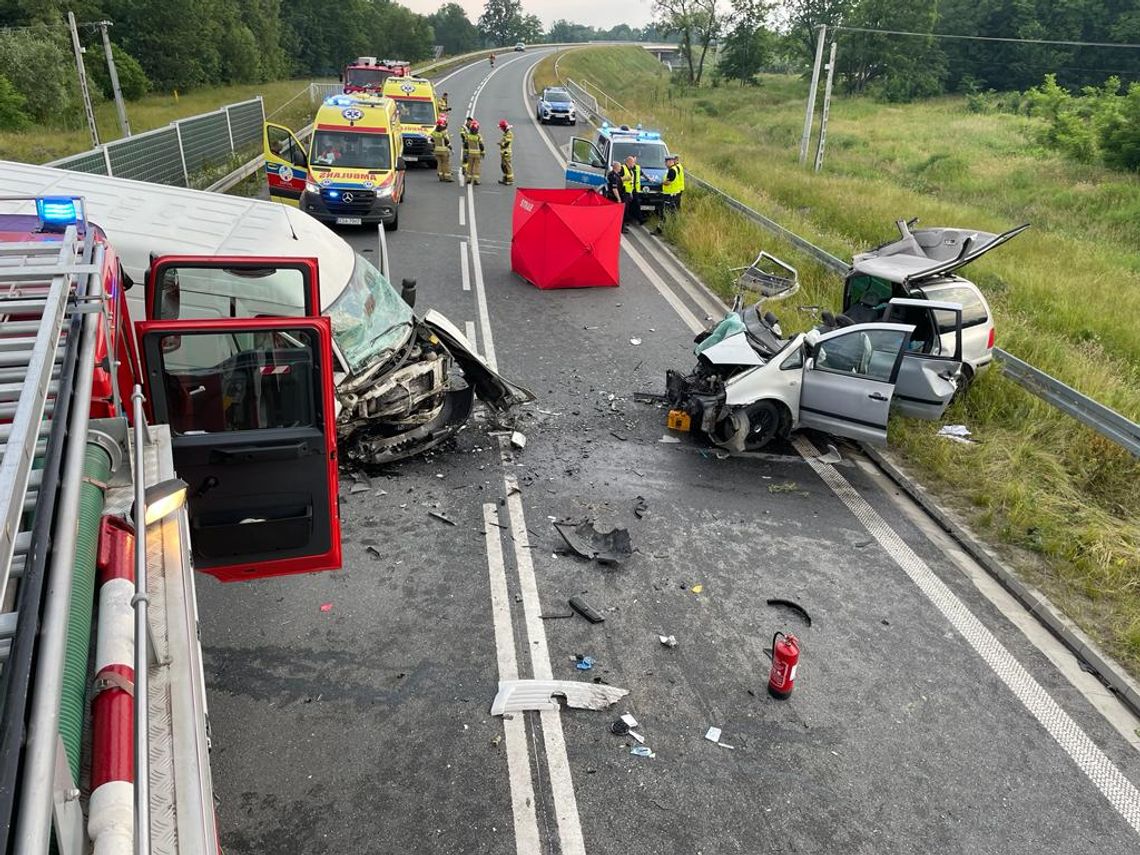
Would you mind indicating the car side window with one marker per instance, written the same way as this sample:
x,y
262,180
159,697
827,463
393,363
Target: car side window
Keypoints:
x,y
973,309
864,353
795,360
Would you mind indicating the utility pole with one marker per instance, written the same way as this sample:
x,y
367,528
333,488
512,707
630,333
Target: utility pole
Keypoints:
x,y
810,112
124,124
826,110
84,91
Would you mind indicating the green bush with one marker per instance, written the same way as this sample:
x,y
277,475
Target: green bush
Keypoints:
x,y
38,64
12,104
132,79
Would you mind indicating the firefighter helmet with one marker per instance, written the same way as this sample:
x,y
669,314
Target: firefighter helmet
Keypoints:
x,y
504,125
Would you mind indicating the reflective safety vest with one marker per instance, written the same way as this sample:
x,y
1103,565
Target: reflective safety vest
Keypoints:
x,y
677,185
440,140
637,178
472,142
626,178
505,143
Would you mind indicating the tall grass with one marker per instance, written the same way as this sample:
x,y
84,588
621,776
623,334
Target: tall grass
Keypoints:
x,y
1064,502
41,144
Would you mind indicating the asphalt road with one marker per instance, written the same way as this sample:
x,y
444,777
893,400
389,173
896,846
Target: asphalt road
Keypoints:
x,y
924,719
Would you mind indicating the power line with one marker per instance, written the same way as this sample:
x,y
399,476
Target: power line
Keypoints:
x,y
1059,42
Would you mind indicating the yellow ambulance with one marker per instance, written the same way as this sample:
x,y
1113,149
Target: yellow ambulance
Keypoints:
x,y
415,99
353,170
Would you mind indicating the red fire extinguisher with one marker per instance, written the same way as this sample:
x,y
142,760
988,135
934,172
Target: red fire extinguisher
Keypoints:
x,y
785,660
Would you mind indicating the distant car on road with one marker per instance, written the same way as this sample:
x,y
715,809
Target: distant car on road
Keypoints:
x,y
556,105
922,264
520,47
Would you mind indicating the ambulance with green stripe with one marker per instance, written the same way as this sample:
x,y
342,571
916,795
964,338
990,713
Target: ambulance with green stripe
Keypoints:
x,y
352,172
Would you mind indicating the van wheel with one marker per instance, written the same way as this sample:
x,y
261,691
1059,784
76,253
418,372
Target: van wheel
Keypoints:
x,y
394,224
765,421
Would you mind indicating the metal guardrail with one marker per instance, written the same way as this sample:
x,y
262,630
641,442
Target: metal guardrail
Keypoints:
x,y
1104,420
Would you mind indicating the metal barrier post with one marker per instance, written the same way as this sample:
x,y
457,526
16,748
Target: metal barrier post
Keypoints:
x,y
182,154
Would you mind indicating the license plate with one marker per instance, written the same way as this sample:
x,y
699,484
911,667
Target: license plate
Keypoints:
x,y
411,158
348,221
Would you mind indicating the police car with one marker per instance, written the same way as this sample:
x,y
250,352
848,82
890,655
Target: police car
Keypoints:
x,y
556,105
589,160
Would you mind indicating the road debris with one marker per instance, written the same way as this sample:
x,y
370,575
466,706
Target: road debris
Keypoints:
x,y
786,487
794,606
957,433
442,517
556,615
637,736
669,440
713,734
832,456
696,589
518,440
628,720
583,663
642,751
373,551
525,695
668,640
635,341
609,547
326,607
640,507
619,727
586,610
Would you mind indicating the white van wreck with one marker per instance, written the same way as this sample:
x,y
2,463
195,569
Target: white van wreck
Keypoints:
x,y
404,382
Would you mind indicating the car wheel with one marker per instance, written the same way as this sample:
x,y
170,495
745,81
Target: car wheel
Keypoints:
x,y
394,224
764,424
967,380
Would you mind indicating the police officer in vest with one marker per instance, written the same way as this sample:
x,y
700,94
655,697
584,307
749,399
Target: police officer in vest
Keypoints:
x,y
473,151
505,142
441,148
672,188
615,190
631,180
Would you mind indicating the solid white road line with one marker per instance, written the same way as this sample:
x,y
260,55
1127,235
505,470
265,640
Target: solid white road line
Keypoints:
x,y
705,302
1107,778
469,330
514,727
570,837
464,266
462,211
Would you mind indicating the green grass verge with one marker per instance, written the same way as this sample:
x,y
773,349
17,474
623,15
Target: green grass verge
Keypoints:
x,y
41,144
1063,503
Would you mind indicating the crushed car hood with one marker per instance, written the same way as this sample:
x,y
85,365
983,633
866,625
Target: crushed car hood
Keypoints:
x,y
492,388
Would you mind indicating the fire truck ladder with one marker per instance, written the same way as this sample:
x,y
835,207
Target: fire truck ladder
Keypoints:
x,y
51,307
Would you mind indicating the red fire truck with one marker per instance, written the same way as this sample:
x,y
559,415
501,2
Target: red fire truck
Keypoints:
x,y
367,74
133,454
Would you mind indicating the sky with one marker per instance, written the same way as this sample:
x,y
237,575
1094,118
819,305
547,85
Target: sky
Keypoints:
x,y
598,13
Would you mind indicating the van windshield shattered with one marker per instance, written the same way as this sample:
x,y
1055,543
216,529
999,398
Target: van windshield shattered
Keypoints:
x,y
369,319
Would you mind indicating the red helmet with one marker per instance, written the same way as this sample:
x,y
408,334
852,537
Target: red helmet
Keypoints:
x,y
441,122
503,124
474,125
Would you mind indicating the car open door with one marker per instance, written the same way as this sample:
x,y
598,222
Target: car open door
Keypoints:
x,y
286,164
928,376
957,248
238,362
849,380
587,167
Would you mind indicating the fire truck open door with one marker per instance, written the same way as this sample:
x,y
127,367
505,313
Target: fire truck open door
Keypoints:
x,y
239,363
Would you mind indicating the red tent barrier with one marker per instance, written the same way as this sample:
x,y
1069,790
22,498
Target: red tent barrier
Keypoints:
x,y
565,238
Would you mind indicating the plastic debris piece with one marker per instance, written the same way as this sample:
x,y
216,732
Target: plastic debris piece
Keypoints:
x,y
696,589
586,610
373,551
518,439
637,736
359,488
832,456
557,615
668,640
605,547
640,507
585,663
524,695
635,341
794,606
641,751
619,727
442,517
669,440
713,734
629,720
326,607
726,745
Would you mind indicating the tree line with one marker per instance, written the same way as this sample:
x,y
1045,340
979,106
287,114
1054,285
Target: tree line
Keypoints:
x,y
931,58
166,46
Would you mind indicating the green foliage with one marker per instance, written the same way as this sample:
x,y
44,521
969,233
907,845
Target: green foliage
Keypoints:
x,y
501,22
747,51
1098,125
453,30
238,56
37,62
132,79
12,104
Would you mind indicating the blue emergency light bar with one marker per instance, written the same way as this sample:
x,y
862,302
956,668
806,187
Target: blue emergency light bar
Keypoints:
x,y
56,213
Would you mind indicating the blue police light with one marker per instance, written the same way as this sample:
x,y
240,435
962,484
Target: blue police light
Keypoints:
x,y
334,194
56,213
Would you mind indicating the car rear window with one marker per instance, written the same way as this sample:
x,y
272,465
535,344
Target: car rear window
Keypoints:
x,y
973,309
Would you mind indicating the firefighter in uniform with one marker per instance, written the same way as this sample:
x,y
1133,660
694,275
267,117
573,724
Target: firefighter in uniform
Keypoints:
x,y
473,151
673,187
441,103
441,148
505,142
